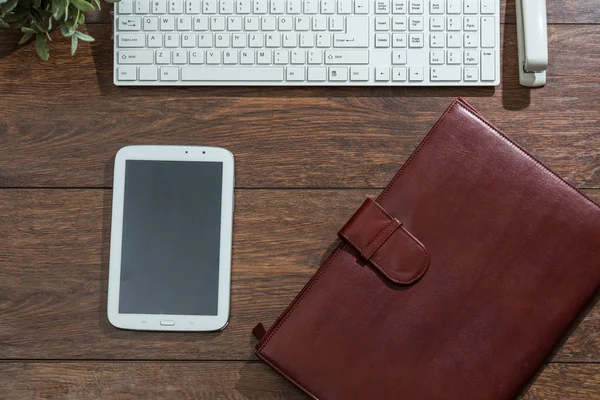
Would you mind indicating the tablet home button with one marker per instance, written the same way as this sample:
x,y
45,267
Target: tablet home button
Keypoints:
x,y
167,323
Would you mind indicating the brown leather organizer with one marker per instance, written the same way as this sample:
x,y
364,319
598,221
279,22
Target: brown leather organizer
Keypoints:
x,y
455,283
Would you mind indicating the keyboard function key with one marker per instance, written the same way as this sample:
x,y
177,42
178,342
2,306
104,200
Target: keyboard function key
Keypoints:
x,y
436,23
399,40
454,7
416,23
382,23
169,73
382,6
135,56
399,57
471,6
129,23
359,74
488,31
471,74
436,57
382,74
436,7
399,74
295,74
148,73
125,7
488,6
488,65
127,73
445,74
416,6
361,6
382,40
399,23
415,40
416,74
317,74
471,57
338,74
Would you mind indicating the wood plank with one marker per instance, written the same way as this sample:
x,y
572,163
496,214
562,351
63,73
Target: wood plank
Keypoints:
x,y
54,266
344,137
233,380
559,12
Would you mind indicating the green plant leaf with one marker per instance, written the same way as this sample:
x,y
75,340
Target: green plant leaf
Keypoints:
x,y
67,29
41,46
9,6
98,4
112,1
26,37
83,36
58,9
66,7
74,42
3,24
83,5
37,3
26,29
3,1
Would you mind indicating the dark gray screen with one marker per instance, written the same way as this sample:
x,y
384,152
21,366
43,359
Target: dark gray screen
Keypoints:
x,y
171,237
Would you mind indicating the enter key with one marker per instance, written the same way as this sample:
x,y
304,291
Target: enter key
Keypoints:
x,y
357,33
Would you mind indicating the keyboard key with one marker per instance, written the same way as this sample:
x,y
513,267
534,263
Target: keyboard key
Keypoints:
x,y
184,23
399,57
436,40
180,57
382,6
416,74
453,56
357,33
336,23
311,6
132,40
399,74
488,7
148,73
243,6
382,74
445,74
260,6
327,6
158,6
454,23
125,7
361,6
338,74
257,74
298,57
150,23
268,23
344,6
415,40
192,6
416,24
129,23
454,6
163,56
399,6
295,74
265,57
213,56
488,65
436,57
234,23
286,23
290,40
217,23
155,40
471,57
239,40
135,56
399,40
209,6
471,6
167,23
315,56
471,24
247,57
303,24
281,57
471,40
317,74
172,40
142,7
277,6
127,73
251,23
256,40
455,40
399,23
222,40
436,7
188,40
205,40
436,23
201,23
346,57
488,29
175,7
471,74
319,23
196,56
169,73
273,40
359,74
382,23
416,6
323,40
307,40
230,57
294,6
226,6
382,40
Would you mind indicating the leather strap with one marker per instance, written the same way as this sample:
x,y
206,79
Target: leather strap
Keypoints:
x,y
385,243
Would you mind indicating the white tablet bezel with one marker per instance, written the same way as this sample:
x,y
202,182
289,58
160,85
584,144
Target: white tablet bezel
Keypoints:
x,y
156,322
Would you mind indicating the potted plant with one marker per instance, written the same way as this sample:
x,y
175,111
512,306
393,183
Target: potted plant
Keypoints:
x,y
37,18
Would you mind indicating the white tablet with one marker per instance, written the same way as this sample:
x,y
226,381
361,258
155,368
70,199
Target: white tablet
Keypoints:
x,y
170,246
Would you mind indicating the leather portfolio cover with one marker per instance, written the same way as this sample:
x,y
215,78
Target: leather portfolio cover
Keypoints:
x,y
455,283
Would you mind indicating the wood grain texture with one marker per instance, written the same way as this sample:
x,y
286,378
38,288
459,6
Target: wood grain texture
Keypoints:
x,y
559,12
223,381
54,266
320,137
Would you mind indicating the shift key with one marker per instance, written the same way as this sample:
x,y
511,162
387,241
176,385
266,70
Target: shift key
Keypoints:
x,y
135,57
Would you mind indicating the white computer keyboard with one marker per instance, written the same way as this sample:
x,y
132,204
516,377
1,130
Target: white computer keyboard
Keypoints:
x,y
307,42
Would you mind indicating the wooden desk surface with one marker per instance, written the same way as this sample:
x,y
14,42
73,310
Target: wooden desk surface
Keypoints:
x,y
306,158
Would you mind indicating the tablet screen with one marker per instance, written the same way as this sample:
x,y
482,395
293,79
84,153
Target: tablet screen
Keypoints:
x,y
171,237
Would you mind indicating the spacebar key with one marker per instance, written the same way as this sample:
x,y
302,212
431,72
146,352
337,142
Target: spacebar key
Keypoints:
x,y
231,74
